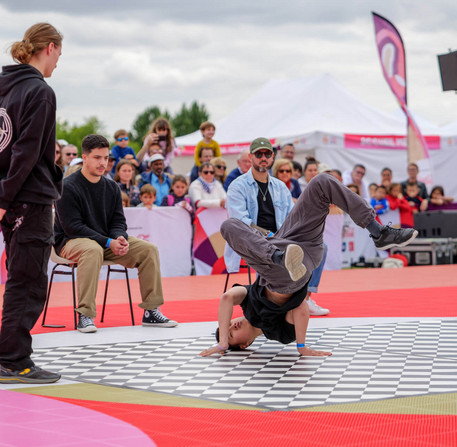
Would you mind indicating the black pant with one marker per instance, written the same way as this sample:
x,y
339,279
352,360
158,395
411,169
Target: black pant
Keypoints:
x,y
28,233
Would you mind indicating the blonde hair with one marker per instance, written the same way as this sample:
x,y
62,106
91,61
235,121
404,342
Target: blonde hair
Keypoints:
x,y
36,38
280,162
219,161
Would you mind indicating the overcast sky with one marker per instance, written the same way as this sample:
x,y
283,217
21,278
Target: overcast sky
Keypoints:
x,y
120,57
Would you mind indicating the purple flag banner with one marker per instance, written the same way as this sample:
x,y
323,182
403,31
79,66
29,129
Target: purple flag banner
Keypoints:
x,y
393,62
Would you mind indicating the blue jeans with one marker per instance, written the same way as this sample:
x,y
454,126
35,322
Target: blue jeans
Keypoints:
x,y
317,273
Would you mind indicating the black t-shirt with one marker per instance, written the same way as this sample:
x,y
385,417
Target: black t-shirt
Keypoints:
x,y
268,316
266,217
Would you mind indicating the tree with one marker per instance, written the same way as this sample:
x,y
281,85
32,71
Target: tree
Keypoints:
x,y
74,134
188,120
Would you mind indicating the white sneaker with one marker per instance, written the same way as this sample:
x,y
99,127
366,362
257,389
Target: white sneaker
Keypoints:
x,y
293,261
316,310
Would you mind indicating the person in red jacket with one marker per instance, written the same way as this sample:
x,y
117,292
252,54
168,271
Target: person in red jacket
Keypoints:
x,y
397,201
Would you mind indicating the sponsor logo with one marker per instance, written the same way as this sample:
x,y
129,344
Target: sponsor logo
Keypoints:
x,y
6,129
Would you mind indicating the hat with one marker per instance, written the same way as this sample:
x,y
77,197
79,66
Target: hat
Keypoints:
x,y
111,156
323,167
259,144
76,161
156,157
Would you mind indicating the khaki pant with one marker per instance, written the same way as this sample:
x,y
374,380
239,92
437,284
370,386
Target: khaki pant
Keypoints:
x,y
89,256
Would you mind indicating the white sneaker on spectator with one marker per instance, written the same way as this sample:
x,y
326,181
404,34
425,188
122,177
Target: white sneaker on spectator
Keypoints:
x,y
316,310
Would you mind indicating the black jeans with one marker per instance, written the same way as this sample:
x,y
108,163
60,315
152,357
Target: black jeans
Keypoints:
x,y
28,233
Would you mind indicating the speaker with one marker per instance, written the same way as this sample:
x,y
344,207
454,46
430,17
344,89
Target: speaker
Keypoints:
x,y
436,224
448,70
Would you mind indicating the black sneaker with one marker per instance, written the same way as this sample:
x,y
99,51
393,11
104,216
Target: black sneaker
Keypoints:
x,y
156,318
34,374
394,237
86,324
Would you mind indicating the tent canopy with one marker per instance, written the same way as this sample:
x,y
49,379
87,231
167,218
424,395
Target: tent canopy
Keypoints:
x,y
292,107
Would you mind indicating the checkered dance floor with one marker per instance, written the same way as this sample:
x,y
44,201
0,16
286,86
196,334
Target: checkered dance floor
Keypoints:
x,y
369,362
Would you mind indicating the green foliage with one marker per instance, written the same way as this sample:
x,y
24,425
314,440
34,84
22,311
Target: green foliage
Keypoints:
x,y
187,120
74,134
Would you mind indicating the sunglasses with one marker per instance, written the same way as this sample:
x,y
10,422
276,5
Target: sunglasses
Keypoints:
x,y
123,139
73,154
221,167
208,172
282,171
267,154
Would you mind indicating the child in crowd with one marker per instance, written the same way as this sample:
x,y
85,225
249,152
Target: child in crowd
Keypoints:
x,y
438,198
125,200
148,196
122,149
379,202
207,129
413,198
396,200
177,196
355,188
372,189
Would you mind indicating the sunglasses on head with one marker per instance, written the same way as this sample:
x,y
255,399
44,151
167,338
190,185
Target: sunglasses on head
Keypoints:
x,y
221,167
282,171
123,139
208,172
267,154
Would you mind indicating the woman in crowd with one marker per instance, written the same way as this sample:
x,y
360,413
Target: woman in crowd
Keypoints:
x,y
206,191
125,178
220,169
282,170
437,197
310,170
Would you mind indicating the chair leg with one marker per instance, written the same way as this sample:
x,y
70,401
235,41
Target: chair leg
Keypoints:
x,y
226,282
249,274
48,295
73,285
106,293
130,295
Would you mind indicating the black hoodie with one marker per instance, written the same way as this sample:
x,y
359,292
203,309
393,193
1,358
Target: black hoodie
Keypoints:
x,y
28,173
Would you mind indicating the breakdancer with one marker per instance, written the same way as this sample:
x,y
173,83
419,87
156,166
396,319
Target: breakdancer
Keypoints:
x,y
275,304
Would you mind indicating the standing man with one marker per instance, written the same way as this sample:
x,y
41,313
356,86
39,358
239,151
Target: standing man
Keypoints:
x,y
263,202
413,170
287,151
244,164
157,177
29,183
90,227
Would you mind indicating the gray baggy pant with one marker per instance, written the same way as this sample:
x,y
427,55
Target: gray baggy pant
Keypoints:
x,y
303,226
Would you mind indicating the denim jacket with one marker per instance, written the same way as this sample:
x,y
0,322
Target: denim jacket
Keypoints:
x,y
242,204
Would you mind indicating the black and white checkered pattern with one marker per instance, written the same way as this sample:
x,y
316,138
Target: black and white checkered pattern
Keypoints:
x,y
368,363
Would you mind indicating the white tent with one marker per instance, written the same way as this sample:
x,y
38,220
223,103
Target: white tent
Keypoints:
x,y
318,115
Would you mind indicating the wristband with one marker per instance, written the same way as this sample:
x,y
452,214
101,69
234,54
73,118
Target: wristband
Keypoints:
x,y
108,242
221,348
270,234
300,345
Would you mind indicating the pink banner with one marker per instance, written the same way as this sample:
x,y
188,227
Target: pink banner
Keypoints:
x,y
396,142
230,148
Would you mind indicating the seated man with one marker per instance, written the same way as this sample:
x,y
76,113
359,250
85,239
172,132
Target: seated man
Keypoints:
x,y
275,304
90,227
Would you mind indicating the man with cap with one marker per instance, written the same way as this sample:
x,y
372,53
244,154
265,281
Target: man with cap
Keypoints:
x,y
157,177
263,201
109,167
90,227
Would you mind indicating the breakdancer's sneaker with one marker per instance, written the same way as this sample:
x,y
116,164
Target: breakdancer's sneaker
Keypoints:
x,y
394,237
293,262
34,374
